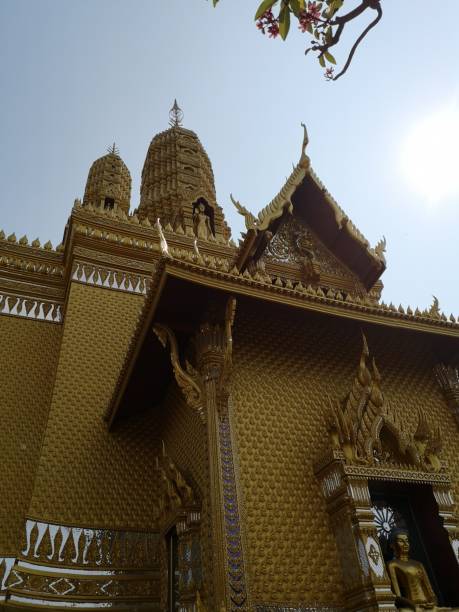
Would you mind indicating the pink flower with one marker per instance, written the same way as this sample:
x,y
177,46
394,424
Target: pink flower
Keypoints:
x,y
267,22
273,30
314,11
330,73
309,17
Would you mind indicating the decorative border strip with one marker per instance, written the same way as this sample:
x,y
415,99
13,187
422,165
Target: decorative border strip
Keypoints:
x,y
84,568
6,565
234,553
30,308
71,589
83,605
78,546
292,608
107,278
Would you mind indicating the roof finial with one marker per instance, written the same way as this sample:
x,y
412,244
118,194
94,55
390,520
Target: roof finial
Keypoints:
x,y
113,149
175,115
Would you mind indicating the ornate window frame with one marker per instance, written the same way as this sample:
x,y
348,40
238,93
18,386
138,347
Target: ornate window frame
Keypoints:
x,y
360,452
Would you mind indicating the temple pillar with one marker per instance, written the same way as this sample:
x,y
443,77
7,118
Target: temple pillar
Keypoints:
x,y
214,359
446,510
210,345
206,387
367,585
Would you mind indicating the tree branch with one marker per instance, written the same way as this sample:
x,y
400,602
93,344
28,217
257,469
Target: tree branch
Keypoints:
x,y
378,9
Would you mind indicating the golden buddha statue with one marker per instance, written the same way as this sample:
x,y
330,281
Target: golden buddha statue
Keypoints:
x,y
410,581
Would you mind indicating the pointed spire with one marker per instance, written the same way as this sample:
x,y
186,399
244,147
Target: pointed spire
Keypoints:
x,y
175,115
113,150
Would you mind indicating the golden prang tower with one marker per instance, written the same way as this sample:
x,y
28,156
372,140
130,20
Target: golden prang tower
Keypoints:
x,y
191,424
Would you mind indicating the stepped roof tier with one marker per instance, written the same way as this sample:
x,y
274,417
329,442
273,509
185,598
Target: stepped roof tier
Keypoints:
x,y
177,179
109,183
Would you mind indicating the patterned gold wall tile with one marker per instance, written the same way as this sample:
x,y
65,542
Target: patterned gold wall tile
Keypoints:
x,y
285,365
88,476
30,350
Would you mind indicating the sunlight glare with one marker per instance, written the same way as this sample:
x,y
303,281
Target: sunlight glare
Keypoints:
x,y
430,156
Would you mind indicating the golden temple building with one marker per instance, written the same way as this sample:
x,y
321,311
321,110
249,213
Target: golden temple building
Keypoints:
x,y
191,424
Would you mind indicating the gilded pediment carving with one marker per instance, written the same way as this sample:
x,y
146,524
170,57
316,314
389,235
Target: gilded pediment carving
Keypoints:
x,y
369,431
295,243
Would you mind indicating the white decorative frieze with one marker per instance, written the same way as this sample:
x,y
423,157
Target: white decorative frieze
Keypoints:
x,y
6,565
30,308
46,542
110,279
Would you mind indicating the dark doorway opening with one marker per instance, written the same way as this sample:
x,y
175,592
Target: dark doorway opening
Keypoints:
x,y
413,507
173,575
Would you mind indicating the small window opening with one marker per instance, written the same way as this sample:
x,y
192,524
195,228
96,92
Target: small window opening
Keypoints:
x,y
109,203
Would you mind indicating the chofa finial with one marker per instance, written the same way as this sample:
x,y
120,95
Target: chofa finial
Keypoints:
x,y
304,159
113,149
175,115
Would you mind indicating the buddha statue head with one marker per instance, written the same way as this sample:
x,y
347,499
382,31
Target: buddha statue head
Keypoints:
x,y
400,543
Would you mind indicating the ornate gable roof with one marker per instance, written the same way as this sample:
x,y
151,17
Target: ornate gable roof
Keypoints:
x,y
306,198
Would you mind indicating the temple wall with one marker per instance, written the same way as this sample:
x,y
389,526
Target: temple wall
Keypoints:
x,y
30,352
86,475
286,363
185,439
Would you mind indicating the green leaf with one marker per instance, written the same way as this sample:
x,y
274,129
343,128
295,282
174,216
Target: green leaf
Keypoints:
x,y
336,5
329,57
295,5
215,2
284,22
264,6
322,61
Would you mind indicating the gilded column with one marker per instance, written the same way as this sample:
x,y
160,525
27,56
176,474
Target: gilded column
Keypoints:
x,y
214,357
206,388
211,346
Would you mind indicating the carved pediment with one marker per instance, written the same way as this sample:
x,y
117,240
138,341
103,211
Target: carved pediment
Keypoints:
x,y
294,243
369,431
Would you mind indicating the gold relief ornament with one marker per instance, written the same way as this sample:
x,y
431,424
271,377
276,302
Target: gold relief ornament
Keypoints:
x,y
369,431
187,379
177,493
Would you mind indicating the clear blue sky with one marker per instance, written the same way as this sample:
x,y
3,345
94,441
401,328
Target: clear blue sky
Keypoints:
x,y
77,75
